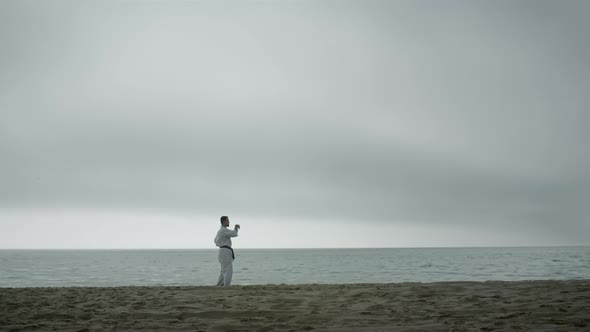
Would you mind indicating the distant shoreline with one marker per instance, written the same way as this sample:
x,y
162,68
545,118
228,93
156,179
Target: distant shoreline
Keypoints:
x,y
246,286
544,305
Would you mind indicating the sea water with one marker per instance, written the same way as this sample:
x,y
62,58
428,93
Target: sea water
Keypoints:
x,y
58,268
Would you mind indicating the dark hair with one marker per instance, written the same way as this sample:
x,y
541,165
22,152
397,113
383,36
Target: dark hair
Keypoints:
x,y
223,218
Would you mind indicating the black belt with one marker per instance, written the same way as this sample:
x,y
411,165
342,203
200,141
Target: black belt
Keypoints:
x,y
232,251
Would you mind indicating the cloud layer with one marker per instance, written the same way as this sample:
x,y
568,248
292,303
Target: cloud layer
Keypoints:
x,y
467,114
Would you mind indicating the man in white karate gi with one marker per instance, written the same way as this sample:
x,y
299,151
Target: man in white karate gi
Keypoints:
x,y
226,253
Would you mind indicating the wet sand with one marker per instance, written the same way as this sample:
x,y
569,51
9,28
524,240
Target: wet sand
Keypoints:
x,y
443,306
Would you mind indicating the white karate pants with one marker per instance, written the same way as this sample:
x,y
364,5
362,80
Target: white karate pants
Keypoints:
x,y
227,268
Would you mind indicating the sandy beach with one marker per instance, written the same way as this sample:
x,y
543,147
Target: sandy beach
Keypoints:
x,y
444,306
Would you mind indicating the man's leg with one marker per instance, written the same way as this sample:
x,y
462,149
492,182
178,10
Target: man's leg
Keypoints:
x,y
220,259
226,266
220,279
229,271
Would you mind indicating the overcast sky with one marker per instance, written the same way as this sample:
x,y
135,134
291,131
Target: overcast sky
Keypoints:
x,y
137,124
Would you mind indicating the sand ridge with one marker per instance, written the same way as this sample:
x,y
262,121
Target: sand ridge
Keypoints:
x,y
442,306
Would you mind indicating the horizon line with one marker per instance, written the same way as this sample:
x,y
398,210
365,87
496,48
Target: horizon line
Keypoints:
x,y
316,248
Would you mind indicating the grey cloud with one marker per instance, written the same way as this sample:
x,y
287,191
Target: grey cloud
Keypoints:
x,y
462,113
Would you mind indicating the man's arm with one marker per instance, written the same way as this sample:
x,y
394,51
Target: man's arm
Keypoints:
x,y
232,233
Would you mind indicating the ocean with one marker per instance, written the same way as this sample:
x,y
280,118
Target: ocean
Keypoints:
x,y
199,267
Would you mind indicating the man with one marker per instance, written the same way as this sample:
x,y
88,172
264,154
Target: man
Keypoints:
x,y
226,253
